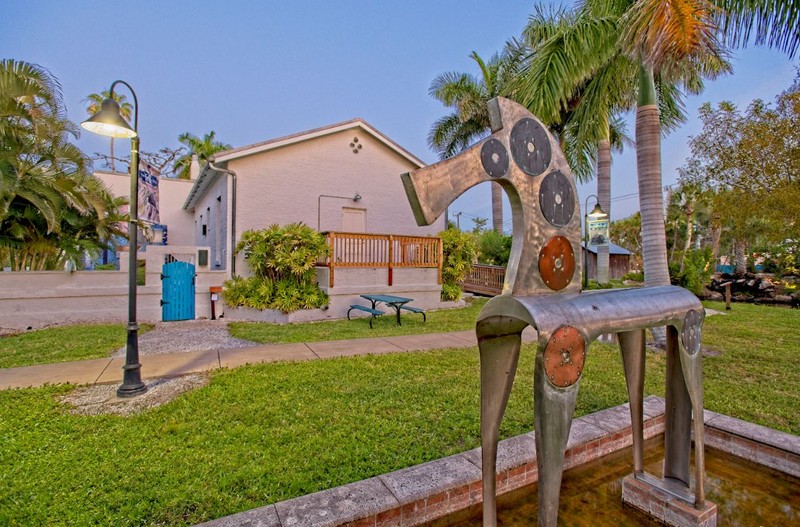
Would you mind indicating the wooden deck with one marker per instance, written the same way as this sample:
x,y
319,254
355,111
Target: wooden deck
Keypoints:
x,y
485,279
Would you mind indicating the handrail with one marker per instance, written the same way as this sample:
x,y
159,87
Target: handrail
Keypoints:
x,y
485,279
353,250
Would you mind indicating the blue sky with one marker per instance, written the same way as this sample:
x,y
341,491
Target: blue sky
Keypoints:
x,y
252,71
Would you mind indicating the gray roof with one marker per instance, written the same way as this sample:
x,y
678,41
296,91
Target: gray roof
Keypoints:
x,y
612,249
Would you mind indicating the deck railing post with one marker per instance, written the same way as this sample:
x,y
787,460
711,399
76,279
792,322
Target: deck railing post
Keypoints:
x,y
391,258
331,258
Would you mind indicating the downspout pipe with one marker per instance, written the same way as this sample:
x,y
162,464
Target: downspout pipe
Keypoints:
x,y
233,209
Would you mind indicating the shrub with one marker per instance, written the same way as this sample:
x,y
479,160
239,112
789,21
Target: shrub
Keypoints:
x,y
494,248
458,250
697,270
635,276
282,260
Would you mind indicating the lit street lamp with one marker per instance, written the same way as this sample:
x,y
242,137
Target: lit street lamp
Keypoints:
x,y
110,123
596,214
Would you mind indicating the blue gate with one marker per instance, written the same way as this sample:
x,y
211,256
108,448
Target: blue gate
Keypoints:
x,y
177,291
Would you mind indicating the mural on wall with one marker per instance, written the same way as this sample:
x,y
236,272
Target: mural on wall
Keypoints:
x,y
148,193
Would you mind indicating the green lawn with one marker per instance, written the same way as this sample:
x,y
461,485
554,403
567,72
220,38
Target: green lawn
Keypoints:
x,y
384,326
265,433
63,344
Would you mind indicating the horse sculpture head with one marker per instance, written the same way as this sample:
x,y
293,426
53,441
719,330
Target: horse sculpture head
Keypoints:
x,y
525,159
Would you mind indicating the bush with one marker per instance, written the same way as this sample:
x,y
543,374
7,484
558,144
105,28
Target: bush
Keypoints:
x,y
458,250
282,260
697,270
635,276
494,248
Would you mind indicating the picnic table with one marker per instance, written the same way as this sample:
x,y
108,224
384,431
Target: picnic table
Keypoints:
x,y
395,302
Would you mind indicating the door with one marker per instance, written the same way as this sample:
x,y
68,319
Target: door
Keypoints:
x,y
177,291
354,220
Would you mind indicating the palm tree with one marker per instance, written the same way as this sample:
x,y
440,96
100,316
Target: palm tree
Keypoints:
x,y
45,187
577,83
204,148
666,36
95,101
468,95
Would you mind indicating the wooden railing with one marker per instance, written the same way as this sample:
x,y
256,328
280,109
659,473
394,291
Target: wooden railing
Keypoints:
x,y
348,249
485,279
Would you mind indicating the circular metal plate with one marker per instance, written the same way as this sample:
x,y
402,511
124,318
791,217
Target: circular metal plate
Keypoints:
x,y
691,334
530,146
564,356
556,199
557,263
494,158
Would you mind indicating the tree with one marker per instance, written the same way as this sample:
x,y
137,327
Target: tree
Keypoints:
x,y
575,80
750,162
468,95
204,148
51,208
95,101
627,233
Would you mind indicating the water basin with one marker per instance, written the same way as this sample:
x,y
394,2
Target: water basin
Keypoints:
x,y
746,494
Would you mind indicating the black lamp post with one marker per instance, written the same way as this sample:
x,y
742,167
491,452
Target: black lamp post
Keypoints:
x,y
598,214
110,123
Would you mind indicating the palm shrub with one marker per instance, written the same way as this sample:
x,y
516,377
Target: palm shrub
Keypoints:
x,y
282,260
459,250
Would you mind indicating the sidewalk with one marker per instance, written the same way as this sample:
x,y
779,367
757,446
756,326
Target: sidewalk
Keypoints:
x,y
108,371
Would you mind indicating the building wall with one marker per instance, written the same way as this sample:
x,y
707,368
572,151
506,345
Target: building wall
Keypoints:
x,y
211,212
37,299
172,194
284,186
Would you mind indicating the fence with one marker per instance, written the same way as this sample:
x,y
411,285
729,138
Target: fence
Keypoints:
x,y
351,250
485,279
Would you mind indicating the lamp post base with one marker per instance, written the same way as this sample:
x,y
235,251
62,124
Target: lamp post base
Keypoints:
x,y
131,390
132,384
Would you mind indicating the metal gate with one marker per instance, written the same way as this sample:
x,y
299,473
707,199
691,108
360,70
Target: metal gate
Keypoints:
x,y
177,291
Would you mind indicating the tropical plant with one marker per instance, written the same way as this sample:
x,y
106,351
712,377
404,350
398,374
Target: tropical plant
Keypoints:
x,y
51,209
282,260
95,101
203,147
468,95
493,248
459,251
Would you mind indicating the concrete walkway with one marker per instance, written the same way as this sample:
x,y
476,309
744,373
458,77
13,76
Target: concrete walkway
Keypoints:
x,y
107,371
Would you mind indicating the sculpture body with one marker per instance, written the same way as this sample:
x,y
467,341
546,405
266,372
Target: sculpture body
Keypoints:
x,y
543,290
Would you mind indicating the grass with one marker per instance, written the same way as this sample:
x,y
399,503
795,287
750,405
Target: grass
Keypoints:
x,y
63,344
265,433
439,321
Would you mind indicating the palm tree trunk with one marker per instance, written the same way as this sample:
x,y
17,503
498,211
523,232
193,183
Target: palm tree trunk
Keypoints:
x,y
112,154
604,197
497,208
648,165
741,257
651,205
689,232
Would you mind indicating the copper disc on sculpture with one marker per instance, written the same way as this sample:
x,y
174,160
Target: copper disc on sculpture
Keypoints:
x,y
557,263
691,333
530,146
494,158
564,356
556,199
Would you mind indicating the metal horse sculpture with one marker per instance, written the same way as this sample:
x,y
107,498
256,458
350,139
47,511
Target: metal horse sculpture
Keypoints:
x,y
542,289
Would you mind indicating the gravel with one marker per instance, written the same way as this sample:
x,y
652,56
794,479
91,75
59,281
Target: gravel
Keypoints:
x,y
185,336
102,399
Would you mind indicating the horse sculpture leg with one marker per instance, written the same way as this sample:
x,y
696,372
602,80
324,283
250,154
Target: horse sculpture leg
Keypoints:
x,y
499,358
632,346
553,409
677,414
